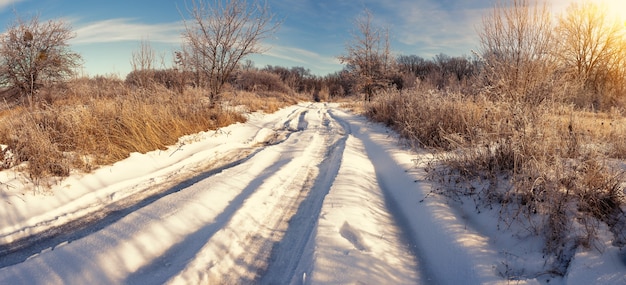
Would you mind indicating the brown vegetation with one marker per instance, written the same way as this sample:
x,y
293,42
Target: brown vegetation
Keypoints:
x,y
89,122
368,56
550,168
219,34
33,53
535,134
101,120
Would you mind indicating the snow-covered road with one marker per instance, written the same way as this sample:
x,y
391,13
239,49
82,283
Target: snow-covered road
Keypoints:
x,y
308,195
260,212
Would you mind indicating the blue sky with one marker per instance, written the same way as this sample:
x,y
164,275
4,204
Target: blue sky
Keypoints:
x,y
312,35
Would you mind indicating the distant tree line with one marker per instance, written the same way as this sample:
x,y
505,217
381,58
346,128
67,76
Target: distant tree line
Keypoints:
x,y
442,71
524,55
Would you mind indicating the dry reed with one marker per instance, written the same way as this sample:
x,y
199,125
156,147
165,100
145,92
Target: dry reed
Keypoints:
x,y
548,167
100,121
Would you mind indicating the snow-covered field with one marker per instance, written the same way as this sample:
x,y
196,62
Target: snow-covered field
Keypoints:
x,y
310,194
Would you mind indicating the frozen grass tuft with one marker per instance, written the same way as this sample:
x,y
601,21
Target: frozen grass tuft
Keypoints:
x,y
96,121
547,168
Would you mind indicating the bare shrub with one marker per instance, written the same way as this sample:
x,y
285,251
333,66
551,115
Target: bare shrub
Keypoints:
x,y
268,101
168,78
142,62
516,43
547,170
36,146
323,94
33,53
368,56
140,78
435,119
260,81
591,51
221,33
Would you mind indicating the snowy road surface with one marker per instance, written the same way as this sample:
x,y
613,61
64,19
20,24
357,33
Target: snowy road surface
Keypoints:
x,y
308,195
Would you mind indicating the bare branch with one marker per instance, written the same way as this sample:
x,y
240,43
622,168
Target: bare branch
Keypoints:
x,y
220,33
592,45
368,55
34,52
517,42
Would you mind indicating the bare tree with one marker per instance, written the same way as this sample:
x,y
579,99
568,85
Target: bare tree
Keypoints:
x,y
192,65
368,55
144,58
516,43
142,61
34,52
247,65
411,64
220,33
592,45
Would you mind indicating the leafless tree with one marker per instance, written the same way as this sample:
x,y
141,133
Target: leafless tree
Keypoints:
x,y
220,33
144,58
247,65
191,65
411,64
34,52
368,55
142,62
592,45
516,43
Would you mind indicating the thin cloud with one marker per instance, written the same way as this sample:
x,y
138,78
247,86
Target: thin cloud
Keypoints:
x,y
291,56
426,24
299,55
7,3
119,30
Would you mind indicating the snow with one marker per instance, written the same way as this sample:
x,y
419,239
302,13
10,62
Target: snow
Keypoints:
x,y
310,194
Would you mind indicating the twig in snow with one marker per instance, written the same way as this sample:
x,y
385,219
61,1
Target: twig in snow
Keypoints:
x,y
180,147
221,132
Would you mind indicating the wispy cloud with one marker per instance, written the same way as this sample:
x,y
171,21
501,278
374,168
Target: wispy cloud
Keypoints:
x,y
299,55
118,30
293,56
428,24
7,3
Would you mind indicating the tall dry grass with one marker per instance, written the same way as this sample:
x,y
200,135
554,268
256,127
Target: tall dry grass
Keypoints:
x,y
98,121
549,168
265,101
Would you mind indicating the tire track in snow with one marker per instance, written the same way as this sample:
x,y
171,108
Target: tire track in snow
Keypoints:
x,y
431,241
253,233
80,226
22,249
392,182
358,238
173,261
289,252
268,221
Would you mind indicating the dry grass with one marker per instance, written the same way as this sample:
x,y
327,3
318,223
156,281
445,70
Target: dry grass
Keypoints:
x,y
549,168
435,120
266,101
100,121
352,103
97,121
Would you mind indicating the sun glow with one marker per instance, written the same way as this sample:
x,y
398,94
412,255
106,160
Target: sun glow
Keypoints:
x,y
615,8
